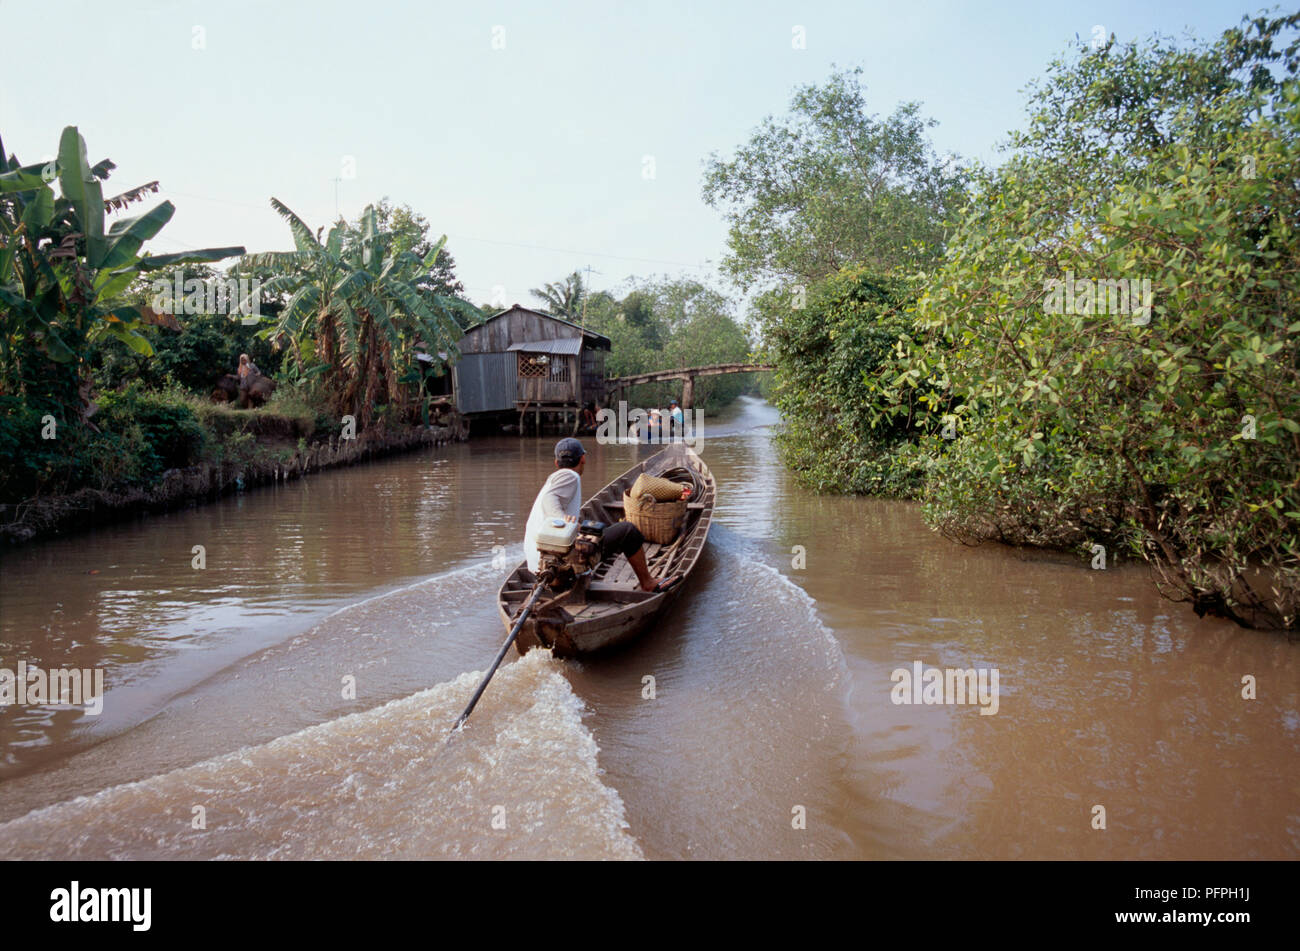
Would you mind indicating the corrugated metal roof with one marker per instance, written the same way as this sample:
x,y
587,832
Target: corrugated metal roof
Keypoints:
x,y
570,345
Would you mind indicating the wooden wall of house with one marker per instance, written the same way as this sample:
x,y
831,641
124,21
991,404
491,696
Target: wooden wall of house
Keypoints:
x,y
593,375
514,326
560,385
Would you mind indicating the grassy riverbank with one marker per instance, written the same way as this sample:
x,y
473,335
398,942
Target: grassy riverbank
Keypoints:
x,y
154,450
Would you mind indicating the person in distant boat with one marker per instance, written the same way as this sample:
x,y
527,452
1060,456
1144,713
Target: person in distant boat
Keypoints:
x,y
676,421
654,426
561,497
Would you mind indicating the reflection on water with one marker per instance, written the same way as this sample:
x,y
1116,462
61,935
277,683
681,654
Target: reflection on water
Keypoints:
x,y
769,731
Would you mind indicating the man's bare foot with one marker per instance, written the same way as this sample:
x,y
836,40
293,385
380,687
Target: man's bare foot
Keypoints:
x,y
662,585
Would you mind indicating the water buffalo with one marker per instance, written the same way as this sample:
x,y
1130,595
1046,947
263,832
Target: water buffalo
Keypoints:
x,y
227,389
256,390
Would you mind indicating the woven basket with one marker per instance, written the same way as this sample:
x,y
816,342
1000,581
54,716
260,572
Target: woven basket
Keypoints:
x,y
662,490
658,521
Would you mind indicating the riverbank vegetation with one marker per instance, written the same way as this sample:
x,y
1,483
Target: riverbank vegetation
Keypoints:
x,y
1091,345
111,356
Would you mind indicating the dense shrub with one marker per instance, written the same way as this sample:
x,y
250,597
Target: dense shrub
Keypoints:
x,y
1172,430
207,346
842,432
26,460
169,435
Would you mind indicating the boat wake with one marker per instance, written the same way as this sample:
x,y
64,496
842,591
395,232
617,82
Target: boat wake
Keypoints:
x,y
738,752
736,755
521,781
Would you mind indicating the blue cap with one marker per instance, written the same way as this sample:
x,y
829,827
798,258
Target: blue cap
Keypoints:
x,y
568,450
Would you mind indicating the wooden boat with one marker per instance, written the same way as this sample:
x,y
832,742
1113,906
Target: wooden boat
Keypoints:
x,y
614,609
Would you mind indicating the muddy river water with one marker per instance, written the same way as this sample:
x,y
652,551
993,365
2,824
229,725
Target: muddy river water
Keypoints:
x,y
290,697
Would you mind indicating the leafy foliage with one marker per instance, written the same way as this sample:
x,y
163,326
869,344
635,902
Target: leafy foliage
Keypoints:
x,y
665,324
172,436
355,311
563,298
410,231
843,431
205,346
137,435
831,185
1107,353
1174,433
63,273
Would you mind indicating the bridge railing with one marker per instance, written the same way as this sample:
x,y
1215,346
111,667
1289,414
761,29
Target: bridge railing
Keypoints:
x,y
686,374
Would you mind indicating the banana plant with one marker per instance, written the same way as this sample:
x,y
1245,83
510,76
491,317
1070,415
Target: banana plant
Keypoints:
x,y
354,306
62,271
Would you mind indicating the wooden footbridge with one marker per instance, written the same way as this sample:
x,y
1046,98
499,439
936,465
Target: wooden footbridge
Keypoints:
x,y
541,366
615,386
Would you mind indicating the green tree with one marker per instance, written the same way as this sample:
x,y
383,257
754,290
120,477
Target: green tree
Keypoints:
x,y
354,310
412,232
1162,417
669,323
63,274
844,428
192,350
831,185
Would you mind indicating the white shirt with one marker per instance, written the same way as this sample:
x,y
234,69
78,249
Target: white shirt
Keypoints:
x,y
561,495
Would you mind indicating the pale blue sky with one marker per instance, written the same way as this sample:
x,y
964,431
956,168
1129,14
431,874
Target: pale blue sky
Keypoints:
x,y
529,157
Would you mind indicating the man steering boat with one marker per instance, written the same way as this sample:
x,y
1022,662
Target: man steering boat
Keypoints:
x,y
561,497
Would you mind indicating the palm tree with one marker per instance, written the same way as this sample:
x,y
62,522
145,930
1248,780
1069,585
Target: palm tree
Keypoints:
x,y
564,298
355,311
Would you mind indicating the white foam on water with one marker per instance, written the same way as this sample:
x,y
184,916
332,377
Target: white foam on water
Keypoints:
x,y
521,781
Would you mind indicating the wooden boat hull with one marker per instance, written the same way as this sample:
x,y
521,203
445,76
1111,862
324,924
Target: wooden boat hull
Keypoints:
x,y
615,611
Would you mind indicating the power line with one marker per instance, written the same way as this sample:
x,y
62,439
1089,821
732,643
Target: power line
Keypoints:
x,y
219,201
465,237
594,254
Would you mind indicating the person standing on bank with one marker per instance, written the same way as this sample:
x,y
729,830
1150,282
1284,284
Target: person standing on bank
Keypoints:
x,y
561,497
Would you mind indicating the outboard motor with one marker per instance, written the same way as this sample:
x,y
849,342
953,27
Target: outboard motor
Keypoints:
x,y
570,552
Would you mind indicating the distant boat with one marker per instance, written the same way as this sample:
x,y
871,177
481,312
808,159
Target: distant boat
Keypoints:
x,y
614,609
